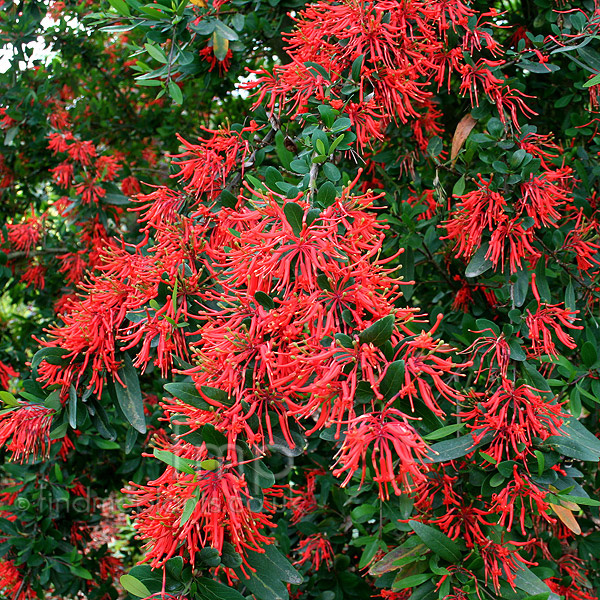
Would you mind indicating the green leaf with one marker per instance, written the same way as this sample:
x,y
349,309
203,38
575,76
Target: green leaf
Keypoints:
x,y
595,80
435,146
264,300
284,155
443,432
535,378
299,166
120,6
226,32
220,45
579,500
80,572
327,114
393,379
576,442
72,407
228,200
326,194
187,392
257,474
520,287
437,541
589,355
134,586
175,93
156,53
516,351
317,70
528,582
541,282
294,214
210,464
177,462
53,356
208,589
151,11
356,68
378,333
129,395
411,581
272,569
459,187
479,264
323,282
452,449
341,124
570,303
390,562
368,553
188,509
331,172
9,400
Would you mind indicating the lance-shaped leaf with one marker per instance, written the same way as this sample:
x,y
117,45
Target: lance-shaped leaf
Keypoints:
x,y
378,333
294,215
439,542
129,395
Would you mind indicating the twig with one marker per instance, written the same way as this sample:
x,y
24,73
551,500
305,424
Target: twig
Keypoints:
x,y
23,254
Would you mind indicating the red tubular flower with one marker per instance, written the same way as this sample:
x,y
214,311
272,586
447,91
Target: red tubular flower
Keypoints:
x,y
502,562
82,151
303,500
24,236
27,426
316,550
477,211
205,166
6,374
519,244
582,242
463,520
546,320
130,186
220,511
11,581
208,55
107,168
523,493
424,361
63,174
514,416
34,275
544,194
397,451
496,347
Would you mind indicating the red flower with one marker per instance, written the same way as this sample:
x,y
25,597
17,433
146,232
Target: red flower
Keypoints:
x,y
546,320
496,347
396,452
6,373
502,562
27,426
63,174
304,501
220,511
513,416
316,550
523,493
26,235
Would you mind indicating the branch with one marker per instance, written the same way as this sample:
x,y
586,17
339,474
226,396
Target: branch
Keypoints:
x,y
237,178
24,254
